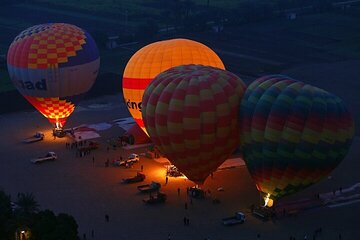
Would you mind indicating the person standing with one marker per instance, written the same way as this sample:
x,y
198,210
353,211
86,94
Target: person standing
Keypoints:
x,y
178,191
107,219
142,167
166,180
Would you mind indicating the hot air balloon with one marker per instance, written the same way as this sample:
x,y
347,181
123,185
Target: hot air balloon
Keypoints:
x,y
292,134
155,58
136,135
190,113
53,65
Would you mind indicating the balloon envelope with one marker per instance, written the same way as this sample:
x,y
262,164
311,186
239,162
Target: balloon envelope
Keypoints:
x,y
190,113
53,65
292,134
155,58
138,135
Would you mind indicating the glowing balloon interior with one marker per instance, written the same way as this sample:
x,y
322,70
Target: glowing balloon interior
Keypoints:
x,y
53,65
155,58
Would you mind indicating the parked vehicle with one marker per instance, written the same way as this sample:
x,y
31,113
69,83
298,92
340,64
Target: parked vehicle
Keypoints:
x,y
237,219
158,198
133,158
154,186
35,138
50,156
138,178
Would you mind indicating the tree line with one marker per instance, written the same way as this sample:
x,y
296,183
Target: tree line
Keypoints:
x,y
24,220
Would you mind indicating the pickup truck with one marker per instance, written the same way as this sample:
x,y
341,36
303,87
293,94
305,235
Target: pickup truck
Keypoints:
x,y
50,156
158,198
238,218
133,158
138,178
154,186
35,138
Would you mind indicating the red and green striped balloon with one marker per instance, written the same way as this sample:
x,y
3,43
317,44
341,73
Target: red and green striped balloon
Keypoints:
x,y
190,113
292,134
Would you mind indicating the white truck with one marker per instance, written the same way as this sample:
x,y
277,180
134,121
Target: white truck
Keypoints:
x,y
50,156
147,188
133,158
35,138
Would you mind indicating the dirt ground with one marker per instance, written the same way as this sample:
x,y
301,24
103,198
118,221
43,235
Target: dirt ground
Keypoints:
x,y
74,185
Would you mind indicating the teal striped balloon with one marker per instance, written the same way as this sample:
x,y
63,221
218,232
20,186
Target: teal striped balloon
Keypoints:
x,y
292,134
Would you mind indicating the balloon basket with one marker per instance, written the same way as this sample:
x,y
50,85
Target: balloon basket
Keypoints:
x,y
59,132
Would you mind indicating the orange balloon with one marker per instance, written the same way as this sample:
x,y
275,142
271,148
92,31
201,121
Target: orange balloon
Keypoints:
x,y
155,58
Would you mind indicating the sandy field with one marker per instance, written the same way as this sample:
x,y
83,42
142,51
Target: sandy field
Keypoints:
x,y
90,191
